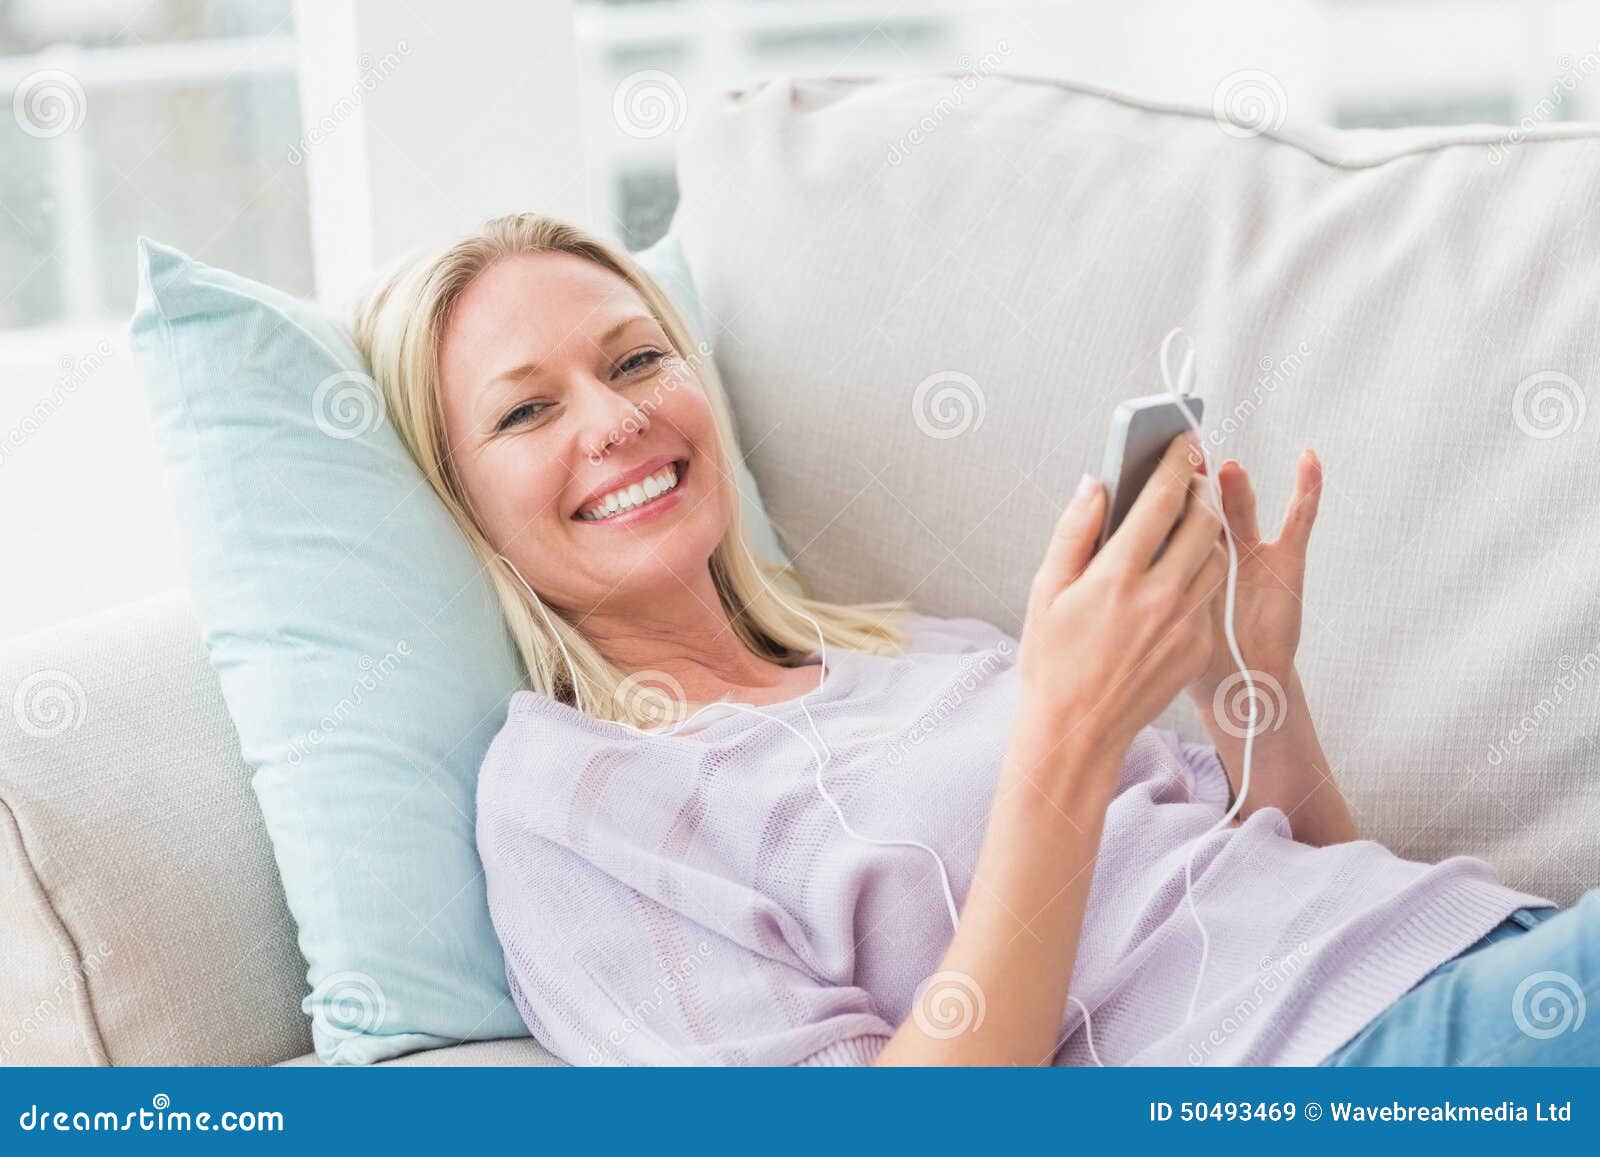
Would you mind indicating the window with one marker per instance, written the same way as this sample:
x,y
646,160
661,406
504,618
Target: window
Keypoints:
x,y
164,117
170,118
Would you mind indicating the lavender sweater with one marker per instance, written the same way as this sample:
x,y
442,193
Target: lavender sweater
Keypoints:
x,y
690,899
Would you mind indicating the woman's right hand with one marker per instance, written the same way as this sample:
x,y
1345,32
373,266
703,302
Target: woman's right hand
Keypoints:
x,y
1110,639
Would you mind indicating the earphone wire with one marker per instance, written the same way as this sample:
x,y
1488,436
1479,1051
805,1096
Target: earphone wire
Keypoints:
x,y
823,757
1179,392
821,752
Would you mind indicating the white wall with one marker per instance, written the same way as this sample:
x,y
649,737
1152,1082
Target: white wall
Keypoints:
x,y
437,116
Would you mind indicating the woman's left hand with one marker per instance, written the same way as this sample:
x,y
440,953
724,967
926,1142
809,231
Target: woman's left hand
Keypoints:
x,y
1296,776
1268,594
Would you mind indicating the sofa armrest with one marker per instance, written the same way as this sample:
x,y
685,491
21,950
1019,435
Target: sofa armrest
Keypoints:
x,y
134,862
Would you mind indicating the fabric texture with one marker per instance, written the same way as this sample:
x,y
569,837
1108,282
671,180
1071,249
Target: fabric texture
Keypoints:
x,y
979,295
689,898
142,921
1523,995
520,1051
365,687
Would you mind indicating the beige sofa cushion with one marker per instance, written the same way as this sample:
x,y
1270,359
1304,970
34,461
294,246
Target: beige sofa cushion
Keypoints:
x,y
143,922
929,293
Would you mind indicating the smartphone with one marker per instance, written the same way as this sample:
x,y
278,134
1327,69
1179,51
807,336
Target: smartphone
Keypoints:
x,y
1141,431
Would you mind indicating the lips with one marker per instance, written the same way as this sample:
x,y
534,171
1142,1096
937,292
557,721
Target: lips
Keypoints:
x,y
631,491
623,478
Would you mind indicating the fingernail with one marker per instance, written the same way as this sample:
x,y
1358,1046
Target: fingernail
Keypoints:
x,y
1086,486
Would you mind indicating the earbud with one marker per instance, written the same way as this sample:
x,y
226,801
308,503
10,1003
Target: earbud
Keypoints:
x,y
572,669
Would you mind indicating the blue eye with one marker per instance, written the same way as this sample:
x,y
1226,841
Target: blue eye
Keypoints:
x,y
518,413
653,357
527,411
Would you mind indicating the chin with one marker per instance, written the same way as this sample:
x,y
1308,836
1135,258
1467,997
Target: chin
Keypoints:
x,y
681,555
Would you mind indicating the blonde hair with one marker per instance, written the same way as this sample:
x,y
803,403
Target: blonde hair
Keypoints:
x,y
399,322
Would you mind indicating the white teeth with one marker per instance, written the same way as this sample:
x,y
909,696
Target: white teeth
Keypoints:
x,y
637,494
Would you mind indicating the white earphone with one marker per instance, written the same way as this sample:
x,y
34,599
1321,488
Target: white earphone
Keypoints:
x,y
822,754
1183,388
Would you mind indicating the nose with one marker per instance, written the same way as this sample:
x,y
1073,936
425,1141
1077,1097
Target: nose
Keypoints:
x,y
605,418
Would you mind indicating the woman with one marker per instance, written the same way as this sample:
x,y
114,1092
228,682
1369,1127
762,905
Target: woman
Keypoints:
x,y
771,880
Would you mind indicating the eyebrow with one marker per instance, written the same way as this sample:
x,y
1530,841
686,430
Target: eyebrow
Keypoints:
x,y
529,369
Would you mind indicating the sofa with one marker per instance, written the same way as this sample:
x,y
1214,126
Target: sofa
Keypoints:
x,y
928,294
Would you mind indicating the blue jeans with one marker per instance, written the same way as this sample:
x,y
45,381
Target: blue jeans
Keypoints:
x,y
1527,993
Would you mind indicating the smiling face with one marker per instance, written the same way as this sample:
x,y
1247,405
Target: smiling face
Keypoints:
x,y
584,442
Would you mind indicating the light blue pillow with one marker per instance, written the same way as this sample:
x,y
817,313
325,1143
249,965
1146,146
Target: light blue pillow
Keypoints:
x,y
361,651
668,267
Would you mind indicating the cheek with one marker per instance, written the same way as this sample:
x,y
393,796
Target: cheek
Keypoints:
x,y
694,421
516,495
688,411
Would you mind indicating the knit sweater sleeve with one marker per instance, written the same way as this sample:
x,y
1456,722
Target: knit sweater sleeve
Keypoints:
x,y
1208,781
604,974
